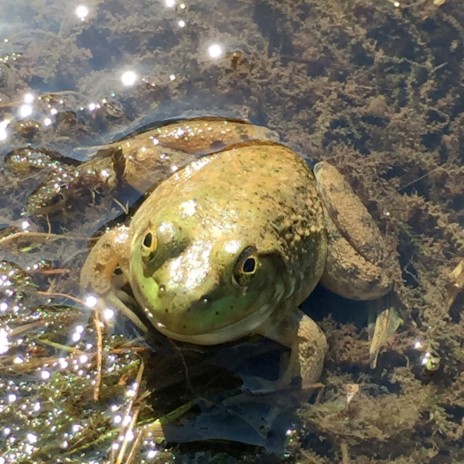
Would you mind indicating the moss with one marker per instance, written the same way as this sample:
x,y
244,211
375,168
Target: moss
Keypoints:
x,y
374,89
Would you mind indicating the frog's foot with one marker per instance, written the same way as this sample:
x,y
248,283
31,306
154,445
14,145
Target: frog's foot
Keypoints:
x,y
308,348
355,265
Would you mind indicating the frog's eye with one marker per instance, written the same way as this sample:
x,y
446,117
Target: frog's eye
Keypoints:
x,y
246,266
148,247
148,239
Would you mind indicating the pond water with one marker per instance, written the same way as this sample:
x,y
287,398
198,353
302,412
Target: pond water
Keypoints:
x,y
373,87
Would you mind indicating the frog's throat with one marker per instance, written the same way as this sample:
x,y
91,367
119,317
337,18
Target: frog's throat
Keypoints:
x,y
231,332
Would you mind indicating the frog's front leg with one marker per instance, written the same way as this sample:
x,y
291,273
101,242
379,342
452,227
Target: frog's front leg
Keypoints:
x,y
98,273
307,343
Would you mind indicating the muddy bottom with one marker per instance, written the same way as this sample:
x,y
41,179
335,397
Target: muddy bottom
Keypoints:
x,y
373,88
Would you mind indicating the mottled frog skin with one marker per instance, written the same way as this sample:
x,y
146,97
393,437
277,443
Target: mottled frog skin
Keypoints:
x,y
235,234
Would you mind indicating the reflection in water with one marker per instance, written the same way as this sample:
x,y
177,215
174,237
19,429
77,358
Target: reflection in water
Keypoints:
x,y
4,341
128,78
82,12
373,86
3,127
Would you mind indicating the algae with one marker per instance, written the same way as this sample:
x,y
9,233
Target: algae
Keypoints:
x,y
374,88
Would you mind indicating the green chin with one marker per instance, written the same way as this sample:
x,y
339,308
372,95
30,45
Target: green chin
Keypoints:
x,y
228,333
218,321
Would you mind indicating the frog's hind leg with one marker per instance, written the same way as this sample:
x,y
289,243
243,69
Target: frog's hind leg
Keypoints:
x,y
356,262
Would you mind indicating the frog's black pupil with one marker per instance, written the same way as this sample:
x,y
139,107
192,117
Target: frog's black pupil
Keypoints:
x,y
249,265
147,240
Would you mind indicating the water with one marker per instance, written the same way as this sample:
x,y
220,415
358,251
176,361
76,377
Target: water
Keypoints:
x,y
374,88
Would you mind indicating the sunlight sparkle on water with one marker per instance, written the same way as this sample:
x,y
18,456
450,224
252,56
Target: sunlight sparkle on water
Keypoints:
x,y
152,454
31,438
129,435
128,78
82,12
4,342
76,428
25,111
3,126
425,358
170,3
76,337
28,98
215,50
91,301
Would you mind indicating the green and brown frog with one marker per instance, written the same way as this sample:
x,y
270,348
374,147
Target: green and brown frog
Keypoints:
x,y
234,236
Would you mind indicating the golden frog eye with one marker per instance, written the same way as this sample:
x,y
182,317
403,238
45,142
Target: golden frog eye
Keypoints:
x,y
149,246
246,266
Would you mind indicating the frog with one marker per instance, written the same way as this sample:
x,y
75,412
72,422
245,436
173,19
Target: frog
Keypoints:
x,y
234,233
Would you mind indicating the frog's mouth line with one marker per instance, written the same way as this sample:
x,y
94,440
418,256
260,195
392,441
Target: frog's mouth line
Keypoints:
x,y
226,334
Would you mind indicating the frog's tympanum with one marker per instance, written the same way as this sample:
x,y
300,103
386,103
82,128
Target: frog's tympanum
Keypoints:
x,y
235,234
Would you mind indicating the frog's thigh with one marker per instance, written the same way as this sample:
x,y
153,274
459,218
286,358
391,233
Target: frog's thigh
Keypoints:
x,y
355,265
308,347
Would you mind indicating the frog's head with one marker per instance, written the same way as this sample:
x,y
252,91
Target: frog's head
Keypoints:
x,y
203,284
224,243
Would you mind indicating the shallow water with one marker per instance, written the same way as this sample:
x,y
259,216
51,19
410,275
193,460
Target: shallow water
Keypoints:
x,y
373,88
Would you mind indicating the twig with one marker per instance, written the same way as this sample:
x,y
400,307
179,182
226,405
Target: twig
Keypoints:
x,y
62,295
345,452
99,360
42,236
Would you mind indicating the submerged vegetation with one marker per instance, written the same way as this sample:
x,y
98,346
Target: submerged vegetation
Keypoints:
x,y
373,87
